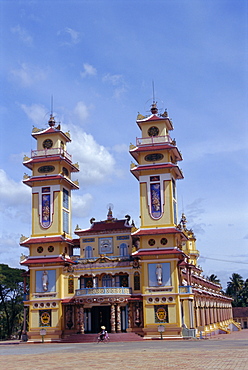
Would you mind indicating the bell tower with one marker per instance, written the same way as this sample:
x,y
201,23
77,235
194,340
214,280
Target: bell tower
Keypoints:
x,y
50,244
156,170
51,182
159,251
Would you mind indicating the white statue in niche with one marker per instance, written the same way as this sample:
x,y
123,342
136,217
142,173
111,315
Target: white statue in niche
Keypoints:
x,y
159,273
45,280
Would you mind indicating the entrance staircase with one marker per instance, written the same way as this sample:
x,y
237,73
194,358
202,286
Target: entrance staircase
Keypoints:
x,y
113,337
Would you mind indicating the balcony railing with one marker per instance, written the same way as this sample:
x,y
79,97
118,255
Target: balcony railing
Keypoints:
x,y
103,291
50,152
187,289
153,140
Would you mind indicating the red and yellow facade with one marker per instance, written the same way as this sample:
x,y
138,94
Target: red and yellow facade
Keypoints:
x,y
142,280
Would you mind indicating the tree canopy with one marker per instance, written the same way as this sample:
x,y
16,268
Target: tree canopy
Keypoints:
x,y
237,288
11,300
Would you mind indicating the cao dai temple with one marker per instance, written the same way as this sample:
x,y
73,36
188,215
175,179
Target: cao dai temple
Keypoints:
x,y
113,274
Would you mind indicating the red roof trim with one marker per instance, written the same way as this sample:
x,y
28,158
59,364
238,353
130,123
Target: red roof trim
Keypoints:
x,y
105,226
49,159
156,252
42,260
30,180
50,131
46,239
154,117
154,231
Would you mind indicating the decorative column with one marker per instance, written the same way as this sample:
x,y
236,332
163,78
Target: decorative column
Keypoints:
x,y
112,318
113,281
118,318
191,314
80,319
94,281
129,311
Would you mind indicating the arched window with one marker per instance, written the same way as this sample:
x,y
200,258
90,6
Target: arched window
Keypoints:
x,y
88,252
136,281
123,250
107,281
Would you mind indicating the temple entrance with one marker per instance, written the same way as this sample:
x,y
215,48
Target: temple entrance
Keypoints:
x,y
100,316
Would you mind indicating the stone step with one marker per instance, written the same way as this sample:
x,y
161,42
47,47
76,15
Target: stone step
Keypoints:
x,y
113,337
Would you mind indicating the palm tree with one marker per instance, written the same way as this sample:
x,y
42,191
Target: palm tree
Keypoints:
x,y
214,279
234,288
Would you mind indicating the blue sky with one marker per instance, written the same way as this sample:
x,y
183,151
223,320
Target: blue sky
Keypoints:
x,y
98,59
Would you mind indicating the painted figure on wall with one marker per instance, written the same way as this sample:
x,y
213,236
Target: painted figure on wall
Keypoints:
x,y
156,209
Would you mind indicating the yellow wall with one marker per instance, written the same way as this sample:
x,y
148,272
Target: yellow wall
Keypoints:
x,y
167,217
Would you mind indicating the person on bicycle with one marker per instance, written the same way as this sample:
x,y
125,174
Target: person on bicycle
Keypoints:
x,y
103,333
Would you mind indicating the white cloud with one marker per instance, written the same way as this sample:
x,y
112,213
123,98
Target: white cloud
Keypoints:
x,y
118,82
74,36
81,110
35,112
28,75
120,148
12,193
81,205
15,199
200,149
23,34
96,163
89,70
114,80
10,249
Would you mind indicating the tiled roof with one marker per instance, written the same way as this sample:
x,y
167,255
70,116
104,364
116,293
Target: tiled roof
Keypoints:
x,y
42,260
240,312
108,225
50,130
45,239
136,170
159,231
29,181
154,117
156,252
46,159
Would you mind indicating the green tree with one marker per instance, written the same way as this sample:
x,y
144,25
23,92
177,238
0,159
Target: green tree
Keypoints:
x,y
234,289
243,295
11,300
214,279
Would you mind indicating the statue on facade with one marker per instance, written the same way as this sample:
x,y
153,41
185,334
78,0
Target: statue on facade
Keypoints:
x,y
45,280
159,274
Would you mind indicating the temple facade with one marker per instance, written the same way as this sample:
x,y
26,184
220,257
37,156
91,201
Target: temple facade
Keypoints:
x,y
144,280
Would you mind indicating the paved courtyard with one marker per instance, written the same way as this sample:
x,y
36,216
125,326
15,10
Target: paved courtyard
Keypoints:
x,y
219,352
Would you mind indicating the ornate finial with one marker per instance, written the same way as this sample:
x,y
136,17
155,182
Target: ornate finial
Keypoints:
x,y
154,109
23,238
183,221
165,114
51,121
110,213
128,218
77,227
92,220
140,116
25,158
76,165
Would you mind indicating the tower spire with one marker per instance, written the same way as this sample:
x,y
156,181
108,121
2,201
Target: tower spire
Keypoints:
x,y
154,109
51,120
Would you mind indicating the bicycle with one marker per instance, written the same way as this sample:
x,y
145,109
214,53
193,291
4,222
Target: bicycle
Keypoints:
x,y
105,339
